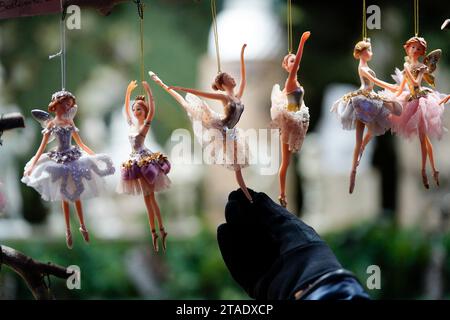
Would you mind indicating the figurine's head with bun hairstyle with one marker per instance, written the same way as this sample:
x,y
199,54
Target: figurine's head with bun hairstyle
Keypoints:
x,y
61,103
363,50
415,47
224,82
288,62
140,108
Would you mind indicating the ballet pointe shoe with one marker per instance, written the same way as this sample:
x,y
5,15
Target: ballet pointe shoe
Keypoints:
x,y
155,241
84,233
282,200
425,180
69,241
352,181
163,240
436,177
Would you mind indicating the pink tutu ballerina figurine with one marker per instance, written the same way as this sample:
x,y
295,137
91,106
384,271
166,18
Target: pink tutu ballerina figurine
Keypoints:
x,y
423,107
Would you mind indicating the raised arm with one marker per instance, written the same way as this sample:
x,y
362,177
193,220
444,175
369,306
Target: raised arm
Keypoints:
x,y
379,82
298,57
151,102
131,86
213,96
38,154
151,111
243,76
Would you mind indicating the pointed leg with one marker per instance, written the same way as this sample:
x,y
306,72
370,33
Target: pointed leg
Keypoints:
x,y
431,156
285,161
359,137
83,230
365,142
156,210
151,219
423,147
66,211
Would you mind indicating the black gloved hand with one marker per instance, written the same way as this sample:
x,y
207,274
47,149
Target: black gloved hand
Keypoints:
x,y
270,252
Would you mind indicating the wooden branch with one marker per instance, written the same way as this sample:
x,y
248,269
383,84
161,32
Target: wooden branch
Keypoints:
x,y
25,8
33,272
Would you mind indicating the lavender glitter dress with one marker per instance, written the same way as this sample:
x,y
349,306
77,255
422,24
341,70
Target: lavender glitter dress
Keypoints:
x,y
66,173
366,106
145,171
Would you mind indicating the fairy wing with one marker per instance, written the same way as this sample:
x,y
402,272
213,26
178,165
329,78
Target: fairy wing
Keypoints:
x,y
41,116
72,112
431,61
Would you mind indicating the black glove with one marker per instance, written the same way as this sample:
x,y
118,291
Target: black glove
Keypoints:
x,y
270,252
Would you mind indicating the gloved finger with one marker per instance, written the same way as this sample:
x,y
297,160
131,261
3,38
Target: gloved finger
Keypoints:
x,y
235,256
284,227
246,255
238,213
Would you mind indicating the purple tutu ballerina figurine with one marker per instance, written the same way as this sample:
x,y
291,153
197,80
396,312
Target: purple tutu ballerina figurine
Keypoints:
x,y
145,172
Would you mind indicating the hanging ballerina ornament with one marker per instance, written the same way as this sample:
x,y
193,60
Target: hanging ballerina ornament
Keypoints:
x,y
223,142
144,172
364,108
67,173
423,107
289,112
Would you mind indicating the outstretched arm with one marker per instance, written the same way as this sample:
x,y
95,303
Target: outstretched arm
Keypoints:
x,y
298,57
213,96
172,92
38,154
379,82
243,76
80,142
131,86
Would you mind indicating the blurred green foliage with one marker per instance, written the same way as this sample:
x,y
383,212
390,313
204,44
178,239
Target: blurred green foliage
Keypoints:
x,y
193,268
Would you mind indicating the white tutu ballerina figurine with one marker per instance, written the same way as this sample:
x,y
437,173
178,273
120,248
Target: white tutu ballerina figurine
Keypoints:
x,y
66,173
290,114
228,146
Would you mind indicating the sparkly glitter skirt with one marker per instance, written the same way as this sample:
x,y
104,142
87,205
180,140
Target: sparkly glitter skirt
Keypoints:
x,y
221,146
69,175
143,173
367,107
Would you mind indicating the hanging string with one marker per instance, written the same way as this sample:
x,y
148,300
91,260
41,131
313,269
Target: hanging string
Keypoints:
x,y
289,25
216,34
416,18
140,8
364,22
62,51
